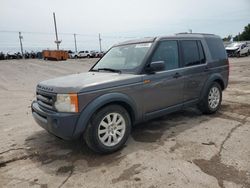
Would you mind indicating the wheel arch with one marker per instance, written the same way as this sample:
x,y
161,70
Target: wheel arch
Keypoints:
x,y
213,78
100,102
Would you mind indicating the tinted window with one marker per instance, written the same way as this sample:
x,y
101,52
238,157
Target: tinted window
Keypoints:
x,y
201,52
216,48
190,53
167,51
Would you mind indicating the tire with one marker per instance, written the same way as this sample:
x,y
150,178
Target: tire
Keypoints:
x,y
211,103
102,140
88,56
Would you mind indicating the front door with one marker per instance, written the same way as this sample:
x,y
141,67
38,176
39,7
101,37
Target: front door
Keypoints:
x,y
164,89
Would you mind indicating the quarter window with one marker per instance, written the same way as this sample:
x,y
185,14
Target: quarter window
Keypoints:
x,y
216,48
167,51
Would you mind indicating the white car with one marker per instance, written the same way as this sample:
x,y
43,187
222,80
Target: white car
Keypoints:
x,y
238,49
82,54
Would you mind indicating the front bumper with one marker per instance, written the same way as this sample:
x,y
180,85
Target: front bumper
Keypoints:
x,y
58,123
232,53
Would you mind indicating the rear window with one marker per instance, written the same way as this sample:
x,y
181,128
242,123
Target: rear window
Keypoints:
x,y
216,48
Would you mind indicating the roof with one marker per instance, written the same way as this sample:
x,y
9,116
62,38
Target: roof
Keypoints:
x,y
142,40
178,35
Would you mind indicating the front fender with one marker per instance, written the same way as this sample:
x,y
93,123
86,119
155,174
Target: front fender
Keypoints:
x,y
96,104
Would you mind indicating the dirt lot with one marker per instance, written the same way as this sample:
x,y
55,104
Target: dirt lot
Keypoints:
x,y
184,149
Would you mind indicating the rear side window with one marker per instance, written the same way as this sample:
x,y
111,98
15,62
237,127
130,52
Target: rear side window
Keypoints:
x,y
190,53
167,51
216,48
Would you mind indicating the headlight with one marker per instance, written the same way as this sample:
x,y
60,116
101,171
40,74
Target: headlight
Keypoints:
x,y
66,102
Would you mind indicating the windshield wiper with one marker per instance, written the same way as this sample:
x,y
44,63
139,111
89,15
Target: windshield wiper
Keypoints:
x,y
109,69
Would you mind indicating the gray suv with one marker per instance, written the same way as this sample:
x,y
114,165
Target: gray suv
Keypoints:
x,y
135,81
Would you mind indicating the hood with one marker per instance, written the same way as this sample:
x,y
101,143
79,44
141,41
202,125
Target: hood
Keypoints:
x,y
86,82
232,48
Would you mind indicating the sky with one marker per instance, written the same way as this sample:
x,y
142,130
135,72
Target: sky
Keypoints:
x,y
115,20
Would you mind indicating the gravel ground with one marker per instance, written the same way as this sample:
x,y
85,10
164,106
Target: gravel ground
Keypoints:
x,y
184,149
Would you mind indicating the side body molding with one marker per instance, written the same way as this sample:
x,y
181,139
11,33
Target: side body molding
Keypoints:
x,y
97,103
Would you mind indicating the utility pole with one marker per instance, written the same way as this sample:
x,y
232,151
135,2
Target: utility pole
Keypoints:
x,y
100,42
56,41
21,44
75,42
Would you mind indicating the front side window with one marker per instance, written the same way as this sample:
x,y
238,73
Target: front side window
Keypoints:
x,y
167,51
124,58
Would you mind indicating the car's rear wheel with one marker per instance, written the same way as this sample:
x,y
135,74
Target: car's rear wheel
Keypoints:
x,y
108,129
212,99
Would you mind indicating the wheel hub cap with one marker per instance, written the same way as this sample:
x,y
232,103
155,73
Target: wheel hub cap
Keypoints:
x,y
111,129
214,97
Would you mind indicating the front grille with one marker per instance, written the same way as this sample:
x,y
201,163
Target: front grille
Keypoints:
x,y
46,100
231,52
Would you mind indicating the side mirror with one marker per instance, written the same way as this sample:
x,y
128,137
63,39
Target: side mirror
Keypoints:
x,y
156,66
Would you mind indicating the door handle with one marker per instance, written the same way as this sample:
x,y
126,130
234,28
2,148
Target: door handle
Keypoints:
x,y
177,75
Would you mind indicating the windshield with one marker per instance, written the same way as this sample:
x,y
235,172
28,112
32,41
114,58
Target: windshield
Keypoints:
x,y
123,58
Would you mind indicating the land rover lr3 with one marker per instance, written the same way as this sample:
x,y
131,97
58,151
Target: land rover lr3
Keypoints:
x,y
135,81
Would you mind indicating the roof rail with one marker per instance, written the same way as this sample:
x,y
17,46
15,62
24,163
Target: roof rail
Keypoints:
x,y
194,33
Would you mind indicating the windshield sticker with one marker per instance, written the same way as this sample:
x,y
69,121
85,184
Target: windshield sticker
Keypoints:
x,y
143,45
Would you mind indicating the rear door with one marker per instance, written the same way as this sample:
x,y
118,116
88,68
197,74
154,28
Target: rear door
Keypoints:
x,y
194,69
164,89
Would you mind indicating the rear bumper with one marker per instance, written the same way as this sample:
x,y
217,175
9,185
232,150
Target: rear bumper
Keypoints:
x,y
59,124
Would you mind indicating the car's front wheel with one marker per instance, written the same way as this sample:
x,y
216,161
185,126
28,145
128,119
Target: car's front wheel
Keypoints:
x,y
108,129
212,99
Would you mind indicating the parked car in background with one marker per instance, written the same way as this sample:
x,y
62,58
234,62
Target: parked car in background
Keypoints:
x,y
238,49
13,55
100,54
87,54
134,82
82,54
72,54
2,56
92,53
